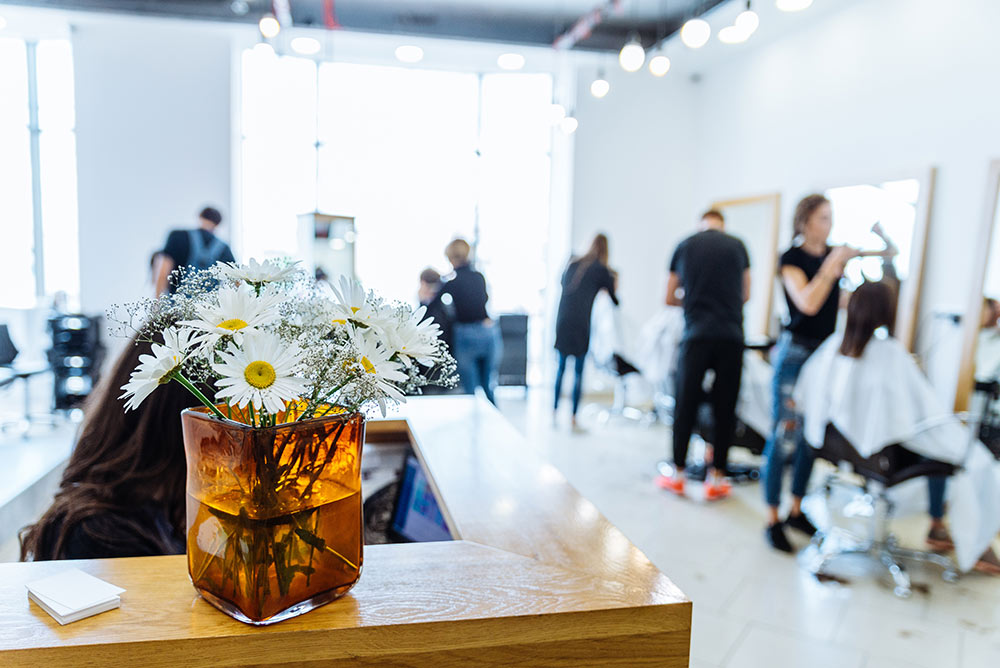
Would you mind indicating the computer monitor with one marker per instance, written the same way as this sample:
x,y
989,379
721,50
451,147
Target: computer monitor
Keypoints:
x,y
417,517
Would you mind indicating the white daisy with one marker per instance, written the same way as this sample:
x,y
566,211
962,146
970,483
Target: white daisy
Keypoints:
x,y
157,369
353,305
238,311
268,271
414,339
260,371
375,368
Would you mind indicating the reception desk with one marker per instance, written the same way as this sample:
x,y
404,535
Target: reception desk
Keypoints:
x,y
536,577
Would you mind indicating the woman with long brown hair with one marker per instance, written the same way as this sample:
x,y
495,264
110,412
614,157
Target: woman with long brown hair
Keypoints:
x,y
583,279
123,491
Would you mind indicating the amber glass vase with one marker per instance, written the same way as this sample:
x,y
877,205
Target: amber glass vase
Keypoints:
x,y
274,526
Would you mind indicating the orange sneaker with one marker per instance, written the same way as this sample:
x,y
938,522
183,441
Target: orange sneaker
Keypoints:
x,y
718,491
671,483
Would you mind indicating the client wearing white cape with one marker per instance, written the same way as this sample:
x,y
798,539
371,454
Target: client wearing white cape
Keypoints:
x,y
883,398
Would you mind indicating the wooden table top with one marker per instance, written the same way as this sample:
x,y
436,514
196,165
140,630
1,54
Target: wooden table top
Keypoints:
x,y
536,574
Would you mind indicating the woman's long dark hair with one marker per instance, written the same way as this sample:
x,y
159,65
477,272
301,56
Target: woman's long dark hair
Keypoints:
x,y
121,462
871,306
598,252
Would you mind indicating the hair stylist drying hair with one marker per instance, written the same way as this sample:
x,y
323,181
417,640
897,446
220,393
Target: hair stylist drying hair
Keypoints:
x,y
122,494
810,272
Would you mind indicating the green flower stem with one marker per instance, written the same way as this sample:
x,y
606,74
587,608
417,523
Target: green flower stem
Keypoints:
x,y
179,377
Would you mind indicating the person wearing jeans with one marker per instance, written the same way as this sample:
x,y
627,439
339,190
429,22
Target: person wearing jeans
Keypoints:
x,y
583,279
477,337
810,273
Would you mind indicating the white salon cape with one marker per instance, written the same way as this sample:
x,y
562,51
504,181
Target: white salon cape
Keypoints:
x,y
659,341
882,399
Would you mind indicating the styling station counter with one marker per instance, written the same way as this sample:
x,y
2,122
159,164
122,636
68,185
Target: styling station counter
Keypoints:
x,y
536,576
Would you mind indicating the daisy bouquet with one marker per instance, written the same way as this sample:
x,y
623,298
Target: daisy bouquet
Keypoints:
x,y
285,370
277,347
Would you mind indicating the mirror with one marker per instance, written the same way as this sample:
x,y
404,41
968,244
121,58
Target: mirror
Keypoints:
x,y
980,328
755,221
901,207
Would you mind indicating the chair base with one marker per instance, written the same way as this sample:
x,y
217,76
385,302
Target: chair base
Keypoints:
x,y
885,552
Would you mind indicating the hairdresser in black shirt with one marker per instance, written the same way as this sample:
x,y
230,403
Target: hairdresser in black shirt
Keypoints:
x,y
810,273
476,337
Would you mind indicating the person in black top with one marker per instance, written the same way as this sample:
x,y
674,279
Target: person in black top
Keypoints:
x,y
712,269
122,493
476,337
810,273
583,279
198,248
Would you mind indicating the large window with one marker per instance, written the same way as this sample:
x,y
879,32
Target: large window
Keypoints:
x,y
417,157
37,173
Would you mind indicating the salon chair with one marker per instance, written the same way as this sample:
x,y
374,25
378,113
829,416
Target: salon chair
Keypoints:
x,y
989,419
620,368
880,473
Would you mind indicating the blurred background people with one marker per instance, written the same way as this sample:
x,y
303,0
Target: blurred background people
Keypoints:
x,y
810,273
710,278
476,338
199,248
583,279
122,493
430,297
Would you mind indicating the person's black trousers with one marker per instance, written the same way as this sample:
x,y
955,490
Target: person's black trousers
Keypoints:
x,y
696,358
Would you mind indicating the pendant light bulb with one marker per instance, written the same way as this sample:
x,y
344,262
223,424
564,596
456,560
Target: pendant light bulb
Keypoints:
x,y
659,65
632,55
695,33
747,22
600,87
569,125
269,26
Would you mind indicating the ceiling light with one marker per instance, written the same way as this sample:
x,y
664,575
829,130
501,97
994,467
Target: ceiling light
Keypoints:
x,y
732,35
695,33
747,21
306,46
409,53
659,65
557,112
269,26
568,125
632,55
793,5
599,87
510,61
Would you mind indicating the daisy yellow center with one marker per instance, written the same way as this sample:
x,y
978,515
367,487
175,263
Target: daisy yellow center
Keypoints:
x,y
340,322
259,374
233,324
355,309
367,365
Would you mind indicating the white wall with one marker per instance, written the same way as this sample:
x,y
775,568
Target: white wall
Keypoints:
x,y
857,90
153,144
633,180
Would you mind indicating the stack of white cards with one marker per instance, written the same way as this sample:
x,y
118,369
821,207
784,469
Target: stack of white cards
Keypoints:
x,y
73,595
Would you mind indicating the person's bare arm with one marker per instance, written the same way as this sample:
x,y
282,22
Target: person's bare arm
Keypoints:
x,y
810,295
673,286
746,285
164,265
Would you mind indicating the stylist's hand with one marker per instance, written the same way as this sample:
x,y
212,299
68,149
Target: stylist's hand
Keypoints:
x,y
839,256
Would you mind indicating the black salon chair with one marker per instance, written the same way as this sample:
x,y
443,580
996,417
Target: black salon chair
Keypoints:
x,y
880,473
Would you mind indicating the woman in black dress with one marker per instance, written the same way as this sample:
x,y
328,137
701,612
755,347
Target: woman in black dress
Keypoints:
x,y
583,279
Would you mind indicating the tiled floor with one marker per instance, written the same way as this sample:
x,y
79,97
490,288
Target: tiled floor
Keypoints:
x,y
752,606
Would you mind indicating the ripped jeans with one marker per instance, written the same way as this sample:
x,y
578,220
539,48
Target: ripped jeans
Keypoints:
x,y
786,443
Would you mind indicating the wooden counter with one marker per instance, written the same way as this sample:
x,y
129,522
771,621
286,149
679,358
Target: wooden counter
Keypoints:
x,y
536,577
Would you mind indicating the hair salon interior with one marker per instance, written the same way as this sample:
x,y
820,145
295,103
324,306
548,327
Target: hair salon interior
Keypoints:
x,y
729,267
